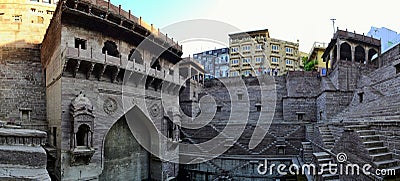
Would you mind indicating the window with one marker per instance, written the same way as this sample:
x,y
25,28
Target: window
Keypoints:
x,y
274,59
275,47
246,48
289,62
235,49
47,1
80,43
135,56
234,73
259,59
50,12
240,96
246,60
397,68
289,50
247,72
40,20
25,114
235,61
259,47
17,18
219,108
361,97
82,136
258,107
111,49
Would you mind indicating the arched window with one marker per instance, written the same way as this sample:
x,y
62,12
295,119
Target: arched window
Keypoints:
x,y
155,64
371,54
135,55
360,54
111,49
82,136
345,52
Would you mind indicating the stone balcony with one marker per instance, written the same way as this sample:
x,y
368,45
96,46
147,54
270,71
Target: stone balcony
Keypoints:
x,y
91,62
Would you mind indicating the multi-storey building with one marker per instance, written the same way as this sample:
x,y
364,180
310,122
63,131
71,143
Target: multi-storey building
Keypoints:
x,y
215,62
255,53
388,37
24,22
316,53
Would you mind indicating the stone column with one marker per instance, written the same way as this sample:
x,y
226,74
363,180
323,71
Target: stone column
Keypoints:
x,y
353,52
366,55
338,50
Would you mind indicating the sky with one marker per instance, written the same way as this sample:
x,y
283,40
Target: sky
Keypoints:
x,y
305,20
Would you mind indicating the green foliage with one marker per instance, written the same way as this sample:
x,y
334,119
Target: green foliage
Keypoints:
x,y
309,65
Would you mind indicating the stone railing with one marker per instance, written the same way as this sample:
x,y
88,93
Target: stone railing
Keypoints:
x,y
108,9
121,62
22,137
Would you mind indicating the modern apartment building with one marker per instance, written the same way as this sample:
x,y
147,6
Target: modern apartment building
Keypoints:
x,y
388,37
215,62
255,53
315,54
24,22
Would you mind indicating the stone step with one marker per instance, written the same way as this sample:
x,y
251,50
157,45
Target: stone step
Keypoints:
x,y
321,155
386,164
377,150
357,127
370,144
366,132
325,160
382,157
371,138
328,140
396,169
330,176
327,136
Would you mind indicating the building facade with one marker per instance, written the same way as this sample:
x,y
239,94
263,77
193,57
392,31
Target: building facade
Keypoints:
x,y
215,62
24,22
82,86
315,54
256,53
388,37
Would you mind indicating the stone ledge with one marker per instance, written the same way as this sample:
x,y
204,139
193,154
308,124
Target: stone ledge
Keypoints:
x,y
23,156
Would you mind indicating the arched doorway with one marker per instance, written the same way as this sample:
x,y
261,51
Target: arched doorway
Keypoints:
x,y
124,158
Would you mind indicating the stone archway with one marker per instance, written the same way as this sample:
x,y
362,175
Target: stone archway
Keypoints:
x,y
345,51
124,158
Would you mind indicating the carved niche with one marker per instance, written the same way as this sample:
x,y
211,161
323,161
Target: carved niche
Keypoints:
x,y
82,130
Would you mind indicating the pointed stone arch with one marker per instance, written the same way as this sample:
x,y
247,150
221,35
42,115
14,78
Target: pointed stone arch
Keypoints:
x,y
345,51
125,147
359,54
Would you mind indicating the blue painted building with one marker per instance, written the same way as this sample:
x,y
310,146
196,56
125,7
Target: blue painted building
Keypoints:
x,y
388,37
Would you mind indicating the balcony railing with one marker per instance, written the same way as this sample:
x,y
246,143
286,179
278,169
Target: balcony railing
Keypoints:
x,y
121,62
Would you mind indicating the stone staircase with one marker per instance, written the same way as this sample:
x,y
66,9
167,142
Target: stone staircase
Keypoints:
x,y
307,152
327,137
325,158
381,156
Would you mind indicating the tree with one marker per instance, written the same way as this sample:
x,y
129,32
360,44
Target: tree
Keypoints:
x,y
309,65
